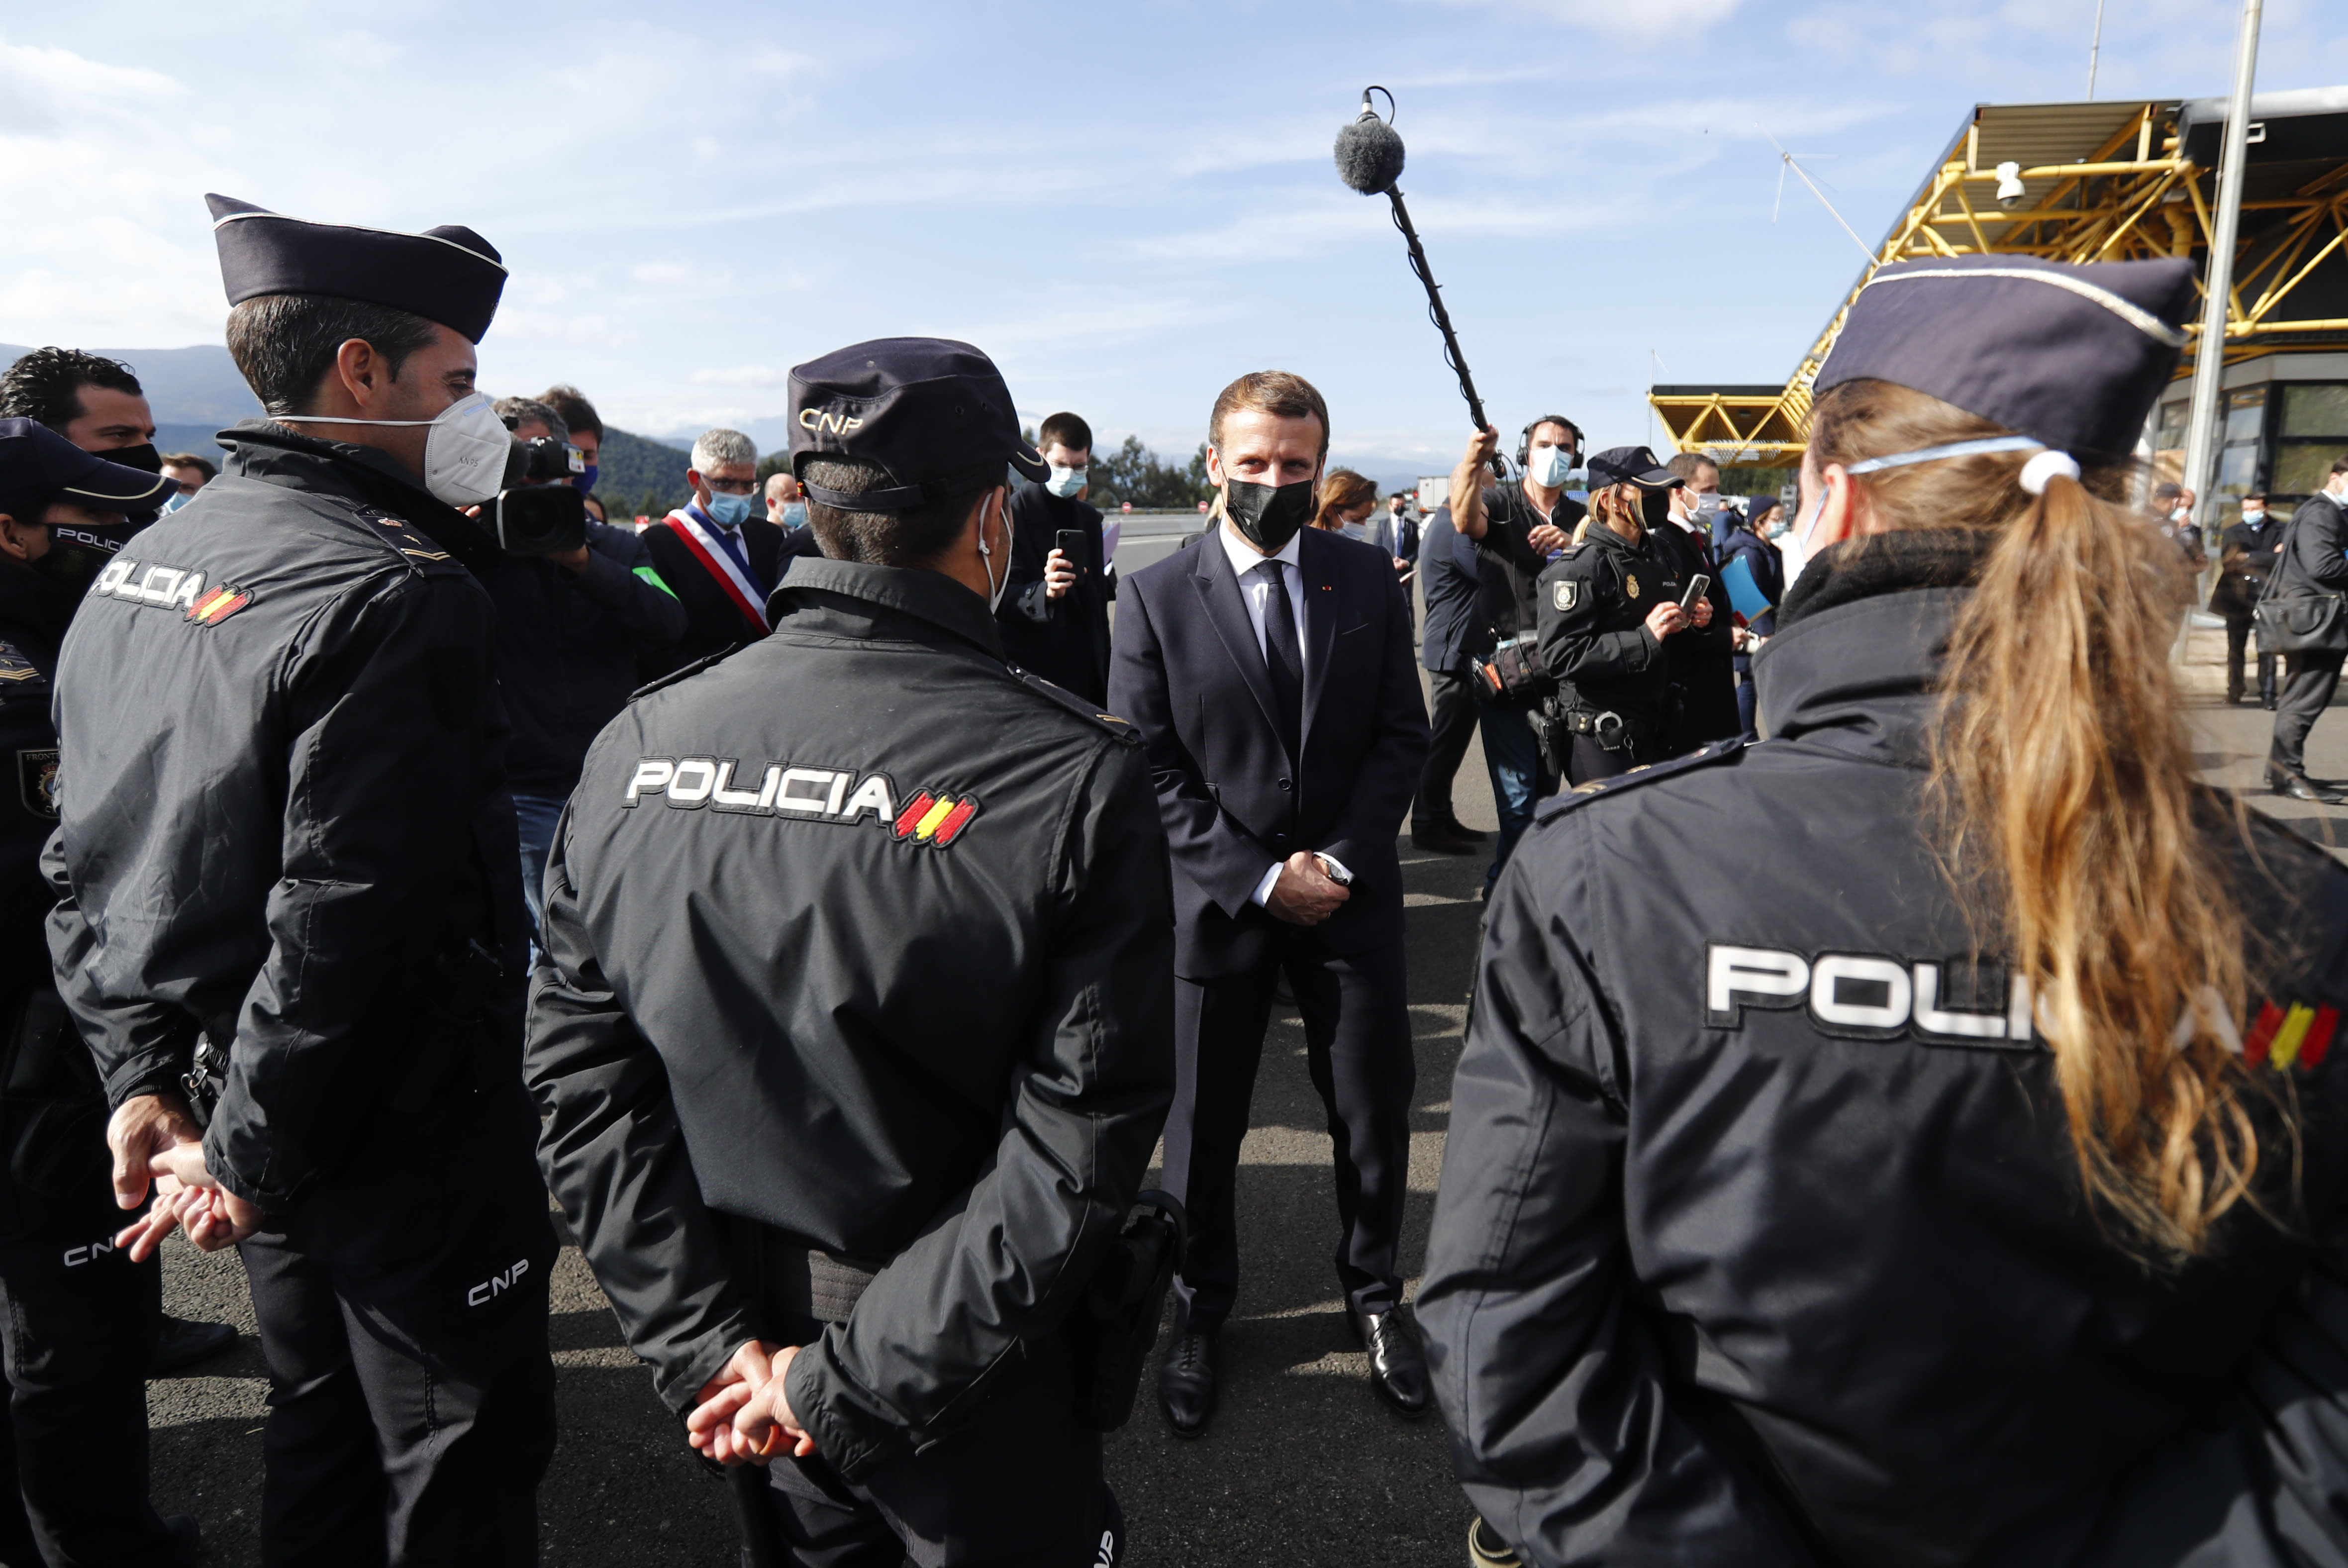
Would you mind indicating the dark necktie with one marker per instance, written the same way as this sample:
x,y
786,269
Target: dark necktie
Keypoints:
x,y
1283,661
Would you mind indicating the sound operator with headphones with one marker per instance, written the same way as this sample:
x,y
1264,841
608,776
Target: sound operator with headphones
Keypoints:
x,y
1515,529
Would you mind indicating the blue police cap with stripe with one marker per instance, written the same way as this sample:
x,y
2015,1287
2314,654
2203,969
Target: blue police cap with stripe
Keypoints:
x,y
2073,355
448,275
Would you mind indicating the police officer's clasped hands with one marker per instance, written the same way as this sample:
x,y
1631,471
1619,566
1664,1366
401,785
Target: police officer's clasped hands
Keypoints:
x,y
153,1140
743,1411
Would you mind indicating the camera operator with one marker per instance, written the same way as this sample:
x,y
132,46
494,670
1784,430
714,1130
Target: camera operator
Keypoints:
x,y
570,628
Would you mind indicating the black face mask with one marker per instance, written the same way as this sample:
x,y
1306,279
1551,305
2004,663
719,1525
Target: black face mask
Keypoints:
x,y
142,456
1268,516
1655,508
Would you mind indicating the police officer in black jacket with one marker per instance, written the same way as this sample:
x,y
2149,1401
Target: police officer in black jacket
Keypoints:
x,y
854,1030
1798,1209
2313,559
1608,612
291,927
82,1313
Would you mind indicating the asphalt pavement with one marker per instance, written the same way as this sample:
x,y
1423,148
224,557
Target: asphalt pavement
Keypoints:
x,y
1302,1466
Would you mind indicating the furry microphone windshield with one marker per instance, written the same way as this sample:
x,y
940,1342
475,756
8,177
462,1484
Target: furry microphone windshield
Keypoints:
x,y
1369,153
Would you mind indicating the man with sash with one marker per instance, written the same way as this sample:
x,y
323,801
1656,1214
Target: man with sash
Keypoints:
x,y
719,553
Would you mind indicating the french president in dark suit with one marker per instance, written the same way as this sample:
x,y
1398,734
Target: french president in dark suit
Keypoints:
x,y
1269,672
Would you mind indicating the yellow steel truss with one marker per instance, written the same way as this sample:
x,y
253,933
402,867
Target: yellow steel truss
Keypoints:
x,y
2137,196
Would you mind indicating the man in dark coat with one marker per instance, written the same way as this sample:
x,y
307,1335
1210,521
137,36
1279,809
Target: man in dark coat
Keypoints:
x,y
2246,559
1268,672
1054,613
2314,560
1453,637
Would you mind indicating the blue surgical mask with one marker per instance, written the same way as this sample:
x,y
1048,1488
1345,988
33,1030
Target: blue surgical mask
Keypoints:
x,y
1065,483
181,498
795,514
1548,466
732,511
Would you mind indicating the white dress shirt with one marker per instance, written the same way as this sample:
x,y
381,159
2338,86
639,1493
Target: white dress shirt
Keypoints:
x,y
1247,561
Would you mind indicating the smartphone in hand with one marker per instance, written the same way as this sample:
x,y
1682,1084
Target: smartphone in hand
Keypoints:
x,y
1698,587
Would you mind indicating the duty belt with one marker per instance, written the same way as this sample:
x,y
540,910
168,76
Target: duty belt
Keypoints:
x,y
1609,729
808,1281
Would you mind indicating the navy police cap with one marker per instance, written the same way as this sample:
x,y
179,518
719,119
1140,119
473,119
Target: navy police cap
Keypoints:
x,y
923,408
2071,355
1630,465
448,275
38,466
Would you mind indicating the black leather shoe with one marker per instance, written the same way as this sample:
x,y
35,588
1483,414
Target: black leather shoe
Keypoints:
x,y
1398,1365
2300,786
1460,829
1487,1550
2267,702
1442,840
1186,1382
187,1537
180,1343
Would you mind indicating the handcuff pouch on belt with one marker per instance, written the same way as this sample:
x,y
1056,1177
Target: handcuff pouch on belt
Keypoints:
x,y
1553,727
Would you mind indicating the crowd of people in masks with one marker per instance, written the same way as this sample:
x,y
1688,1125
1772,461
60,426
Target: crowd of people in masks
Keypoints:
x,y
840,893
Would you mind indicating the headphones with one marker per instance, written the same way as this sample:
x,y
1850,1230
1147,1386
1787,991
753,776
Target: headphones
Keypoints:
x,y
1525,441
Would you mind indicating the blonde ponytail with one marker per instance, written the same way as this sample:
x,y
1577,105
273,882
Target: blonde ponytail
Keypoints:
x,y
2071,818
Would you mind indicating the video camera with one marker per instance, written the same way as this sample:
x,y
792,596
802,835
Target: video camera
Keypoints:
x,y
540,512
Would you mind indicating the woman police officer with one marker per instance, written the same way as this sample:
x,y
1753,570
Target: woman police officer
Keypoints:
x,y
1982,1203
1605,607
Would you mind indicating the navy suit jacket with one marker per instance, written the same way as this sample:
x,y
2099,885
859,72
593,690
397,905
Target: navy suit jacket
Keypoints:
x,y
1186,671
1447,579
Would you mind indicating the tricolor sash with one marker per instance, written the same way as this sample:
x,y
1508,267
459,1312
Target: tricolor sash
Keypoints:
x,y
719,562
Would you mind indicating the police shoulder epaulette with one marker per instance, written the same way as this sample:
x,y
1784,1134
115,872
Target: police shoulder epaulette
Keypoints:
x,y
695,669
1703,756
403,537
1061,696
17,673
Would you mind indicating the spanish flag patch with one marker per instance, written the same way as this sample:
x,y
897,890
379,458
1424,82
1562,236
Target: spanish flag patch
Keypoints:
x,y
935,819
2298,1033
210,609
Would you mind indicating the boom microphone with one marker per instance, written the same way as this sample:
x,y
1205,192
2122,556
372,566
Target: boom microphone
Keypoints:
x,y
1369,152
1369,160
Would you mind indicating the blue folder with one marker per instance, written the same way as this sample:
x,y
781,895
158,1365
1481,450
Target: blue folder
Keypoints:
x,y
1743,591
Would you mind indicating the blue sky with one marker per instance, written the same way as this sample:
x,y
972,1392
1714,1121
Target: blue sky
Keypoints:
x,y
1126,204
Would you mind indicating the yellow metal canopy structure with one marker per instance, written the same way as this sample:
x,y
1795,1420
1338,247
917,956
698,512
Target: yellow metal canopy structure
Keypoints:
x,y
2100,181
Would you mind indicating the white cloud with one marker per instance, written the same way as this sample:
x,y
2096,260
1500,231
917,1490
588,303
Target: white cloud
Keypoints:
x,y
1646,18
